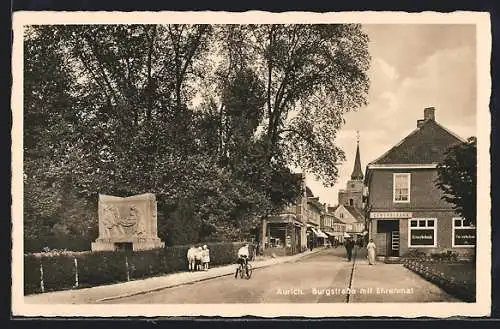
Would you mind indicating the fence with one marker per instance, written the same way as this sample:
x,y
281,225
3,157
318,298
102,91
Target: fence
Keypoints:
x,y
46,272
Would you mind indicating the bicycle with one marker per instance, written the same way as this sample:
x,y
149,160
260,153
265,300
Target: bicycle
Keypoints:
x,y
245,270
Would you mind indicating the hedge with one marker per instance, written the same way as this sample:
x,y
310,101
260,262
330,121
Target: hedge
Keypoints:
x,y
465,291
69,242
96,268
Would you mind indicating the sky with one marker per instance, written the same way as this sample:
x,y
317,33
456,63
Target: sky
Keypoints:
x,y
412,67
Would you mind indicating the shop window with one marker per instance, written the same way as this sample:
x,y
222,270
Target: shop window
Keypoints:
x,y
401,187
422,232
464,235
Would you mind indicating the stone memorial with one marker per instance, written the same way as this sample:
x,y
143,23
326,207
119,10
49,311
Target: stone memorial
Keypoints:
x,y
128,223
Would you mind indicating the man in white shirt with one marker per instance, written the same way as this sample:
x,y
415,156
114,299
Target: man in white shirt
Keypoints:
x,y
243,254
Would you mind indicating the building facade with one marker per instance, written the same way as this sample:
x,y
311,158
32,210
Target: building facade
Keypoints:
x,y
352,218
406,211
315,211
327,225
286,233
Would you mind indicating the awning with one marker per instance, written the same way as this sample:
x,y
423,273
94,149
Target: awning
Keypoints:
x,y
319,233
329,233
323,235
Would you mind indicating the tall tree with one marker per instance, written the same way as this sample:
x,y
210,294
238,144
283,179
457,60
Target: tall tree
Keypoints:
x,y
314,74
113,110
457,178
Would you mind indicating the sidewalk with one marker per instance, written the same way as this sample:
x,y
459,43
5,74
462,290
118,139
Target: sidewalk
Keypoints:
x,y
392,283
131,288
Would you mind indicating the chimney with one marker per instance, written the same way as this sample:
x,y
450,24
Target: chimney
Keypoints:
x,y
420,123
429,113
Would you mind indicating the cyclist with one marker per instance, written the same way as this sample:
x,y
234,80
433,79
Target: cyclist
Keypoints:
x,y
243,254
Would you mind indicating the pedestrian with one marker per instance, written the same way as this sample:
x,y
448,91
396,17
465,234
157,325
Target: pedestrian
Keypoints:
x,y
349,245
371,247
205,257
198,256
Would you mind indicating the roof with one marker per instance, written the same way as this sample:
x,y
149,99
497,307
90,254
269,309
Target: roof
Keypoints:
x,y
425,145
315,202
355,212
332,209
357,174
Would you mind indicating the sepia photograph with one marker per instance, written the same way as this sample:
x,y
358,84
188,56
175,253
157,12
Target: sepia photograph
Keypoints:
x,y
232,164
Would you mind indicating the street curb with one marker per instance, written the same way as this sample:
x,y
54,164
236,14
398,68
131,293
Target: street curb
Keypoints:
x,y
351,279
142,292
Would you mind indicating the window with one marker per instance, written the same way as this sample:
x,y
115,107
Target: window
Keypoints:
x,y
351,202
464,235
422,232
401,187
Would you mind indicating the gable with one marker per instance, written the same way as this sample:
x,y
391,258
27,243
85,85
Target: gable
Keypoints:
x,y
424,145
356,213
344,215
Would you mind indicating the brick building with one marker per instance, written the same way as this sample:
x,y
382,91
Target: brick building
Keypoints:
x,y
406,211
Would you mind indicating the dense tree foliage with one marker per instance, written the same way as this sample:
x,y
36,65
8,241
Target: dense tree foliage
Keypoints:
x,y
209,118
457,178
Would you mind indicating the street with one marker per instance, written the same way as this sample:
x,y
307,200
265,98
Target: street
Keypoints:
x,y
324,277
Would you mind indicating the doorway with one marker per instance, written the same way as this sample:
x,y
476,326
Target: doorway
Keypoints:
x,y
391,230
123,246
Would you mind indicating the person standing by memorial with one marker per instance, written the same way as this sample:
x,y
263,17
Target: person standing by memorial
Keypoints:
x,y
205,257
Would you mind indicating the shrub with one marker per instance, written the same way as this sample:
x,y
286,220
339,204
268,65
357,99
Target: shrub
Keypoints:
x,y
58,272
446,255
31,274
145,263
415,254
101,268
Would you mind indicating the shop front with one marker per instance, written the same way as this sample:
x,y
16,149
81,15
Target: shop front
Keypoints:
x,y
283,236
423,231
315,237
385,230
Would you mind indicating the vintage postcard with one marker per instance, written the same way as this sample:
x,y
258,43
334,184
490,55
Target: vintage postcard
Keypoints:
x,y
268,164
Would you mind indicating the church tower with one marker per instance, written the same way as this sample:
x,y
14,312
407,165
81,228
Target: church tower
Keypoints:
x,y
353,194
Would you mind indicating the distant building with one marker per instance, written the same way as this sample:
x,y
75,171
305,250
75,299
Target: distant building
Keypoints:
x,y
352,217
350,210
352,195
406,211
315,211
328,221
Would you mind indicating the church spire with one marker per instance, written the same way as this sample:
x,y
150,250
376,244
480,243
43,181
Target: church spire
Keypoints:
x,y
357,174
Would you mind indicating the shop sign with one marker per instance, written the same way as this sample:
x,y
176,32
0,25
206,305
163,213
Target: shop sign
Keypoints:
x,y
465,236
422,237
391,214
